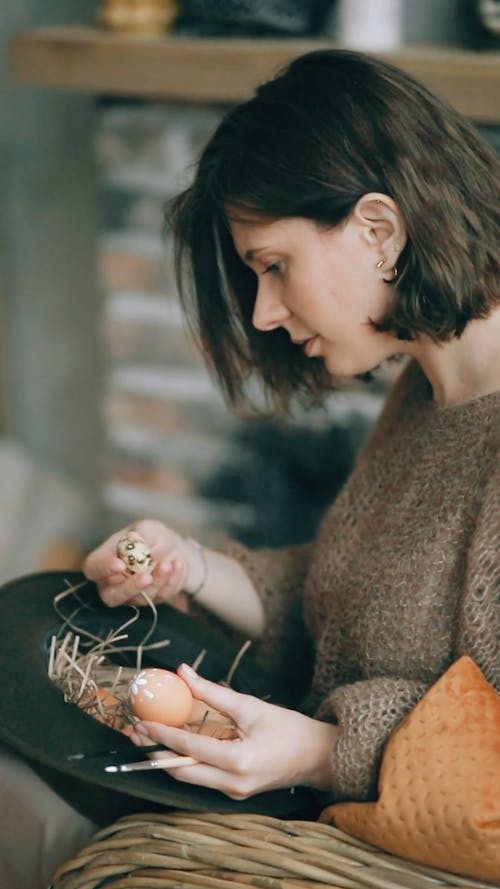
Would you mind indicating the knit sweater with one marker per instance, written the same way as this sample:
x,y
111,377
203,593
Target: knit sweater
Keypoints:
x,y
403,578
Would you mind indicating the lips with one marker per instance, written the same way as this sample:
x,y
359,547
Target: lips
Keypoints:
x,y
309,346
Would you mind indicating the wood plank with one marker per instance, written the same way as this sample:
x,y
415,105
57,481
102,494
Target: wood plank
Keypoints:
x,y
224,70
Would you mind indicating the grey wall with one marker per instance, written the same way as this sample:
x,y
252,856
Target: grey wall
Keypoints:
x,y
49,296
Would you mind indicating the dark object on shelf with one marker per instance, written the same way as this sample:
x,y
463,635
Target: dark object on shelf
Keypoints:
x,y
489,14
483,23
253,18
148,17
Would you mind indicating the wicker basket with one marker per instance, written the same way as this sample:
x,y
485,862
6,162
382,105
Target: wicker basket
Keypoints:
x,y
182,850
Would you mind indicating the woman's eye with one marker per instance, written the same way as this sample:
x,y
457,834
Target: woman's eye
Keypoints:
x,y
273,268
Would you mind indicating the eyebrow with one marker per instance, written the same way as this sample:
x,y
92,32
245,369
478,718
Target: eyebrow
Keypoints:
x,y
250,254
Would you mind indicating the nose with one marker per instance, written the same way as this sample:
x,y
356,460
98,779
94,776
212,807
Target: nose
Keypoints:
x,y
269,311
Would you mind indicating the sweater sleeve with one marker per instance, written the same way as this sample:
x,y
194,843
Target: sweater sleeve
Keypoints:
x,y
367,711
285,648
479,621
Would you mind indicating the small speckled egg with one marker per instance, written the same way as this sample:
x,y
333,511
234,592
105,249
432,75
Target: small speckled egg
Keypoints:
x,y
160,696
135,554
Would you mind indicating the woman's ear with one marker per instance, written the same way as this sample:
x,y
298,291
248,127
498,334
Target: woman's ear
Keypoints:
x,y
382,225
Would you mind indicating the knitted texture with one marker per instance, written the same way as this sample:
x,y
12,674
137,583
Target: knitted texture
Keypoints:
x,y
403,578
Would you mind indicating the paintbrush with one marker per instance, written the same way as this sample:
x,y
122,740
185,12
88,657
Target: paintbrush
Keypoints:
x,y
166,762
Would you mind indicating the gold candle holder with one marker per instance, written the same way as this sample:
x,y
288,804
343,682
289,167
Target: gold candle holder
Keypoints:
x,y
150,17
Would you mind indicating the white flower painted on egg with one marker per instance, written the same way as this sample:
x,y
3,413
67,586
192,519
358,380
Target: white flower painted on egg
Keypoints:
x,y
137,681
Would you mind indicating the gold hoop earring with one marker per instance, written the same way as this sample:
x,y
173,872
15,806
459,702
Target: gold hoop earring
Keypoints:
x,y
394,275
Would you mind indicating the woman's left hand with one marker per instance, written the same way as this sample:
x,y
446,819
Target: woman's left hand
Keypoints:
x,y
275,747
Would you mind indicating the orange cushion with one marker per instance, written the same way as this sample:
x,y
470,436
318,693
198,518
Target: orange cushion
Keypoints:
x,y
439,784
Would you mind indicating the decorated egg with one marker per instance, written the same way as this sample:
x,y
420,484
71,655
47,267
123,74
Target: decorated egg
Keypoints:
x,y
135,553
161,696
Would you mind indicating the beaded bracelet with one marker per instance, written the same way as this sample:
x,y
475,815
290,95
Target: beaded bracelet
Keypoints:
x,y
201,551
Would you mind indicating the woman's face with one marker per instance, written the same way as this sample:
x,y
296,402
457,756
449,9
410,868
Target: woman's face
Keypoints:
x,y
321,286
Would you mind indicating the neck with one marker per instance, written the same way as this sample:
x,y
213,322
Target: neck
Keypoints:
x,y
466,368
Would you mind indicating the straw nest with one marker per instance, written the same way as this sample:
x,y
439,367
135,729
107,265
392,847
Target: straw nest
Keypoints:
x,y
81,664
80,660
182,850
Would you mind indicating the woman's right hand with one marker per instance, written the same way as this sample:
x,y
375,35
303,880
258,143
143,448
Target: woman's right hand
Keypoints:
x,y
178,565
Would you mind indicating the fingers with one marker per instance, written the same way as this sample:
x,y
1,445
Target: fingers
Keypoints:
x,y
133,589
167,583
225,755
239,707
117,586
103,561
208,776
127,590
221,765
169,575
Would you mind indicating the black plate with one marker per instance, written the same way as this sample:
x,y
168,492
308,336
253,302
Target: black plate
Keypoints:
x,y
36,721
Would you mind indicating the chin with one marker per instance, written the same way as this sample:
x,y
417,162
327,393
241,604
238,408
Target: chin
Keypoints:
x,y
349,370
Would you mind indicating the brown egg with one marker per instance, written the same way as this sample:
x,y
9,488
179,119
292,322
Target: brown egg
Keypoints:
x,y
161,696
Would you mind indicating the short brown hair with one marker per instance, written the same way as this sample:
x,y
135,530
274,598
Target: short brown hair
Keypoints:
x,y
332,126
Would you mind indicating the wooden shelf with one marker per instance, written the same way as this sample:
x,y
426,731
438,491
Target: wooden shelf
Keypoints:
x,y
223,70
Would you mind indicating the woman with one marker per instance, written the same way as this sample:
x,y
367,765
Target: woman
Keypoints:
x,y
342,217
